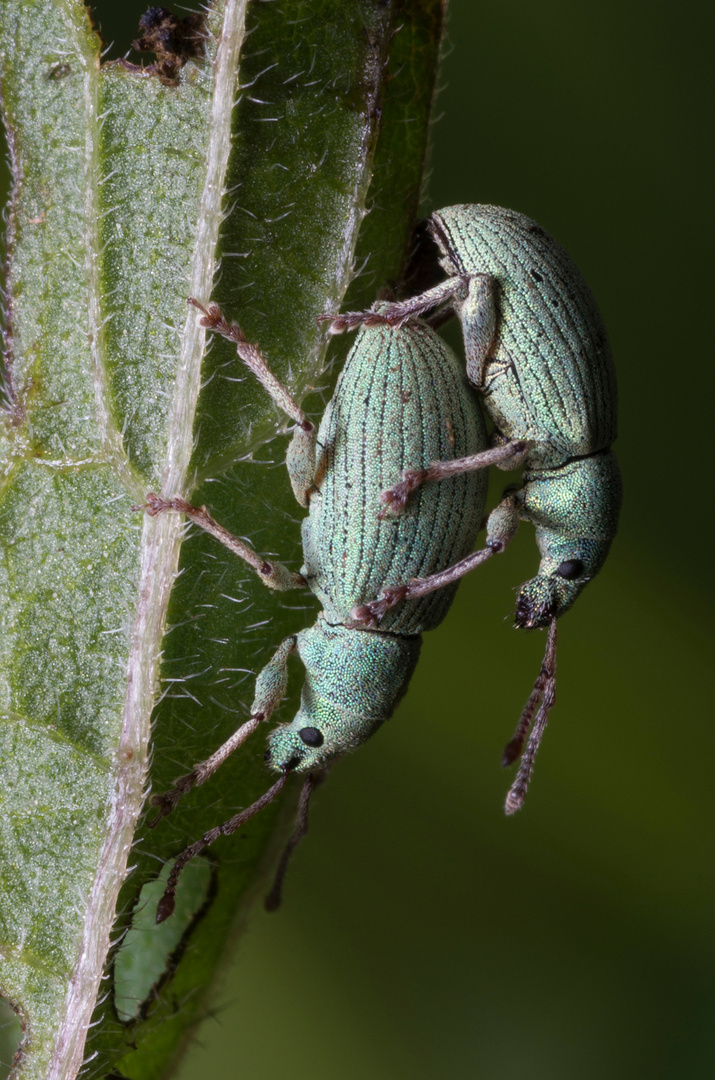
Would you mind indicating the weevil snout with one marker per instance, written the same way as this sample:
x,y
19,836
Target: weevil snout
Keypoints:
x,y
536,604
548,596
285,752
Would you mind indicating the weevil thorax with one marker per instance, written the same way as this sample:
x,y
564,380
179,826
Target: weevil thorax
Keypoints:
x,y
454,230
354,679
575,510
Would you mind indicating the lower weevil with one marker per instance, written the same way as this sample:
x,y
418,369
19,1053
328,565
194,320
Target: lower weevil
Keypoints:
x,y
538,354
400,401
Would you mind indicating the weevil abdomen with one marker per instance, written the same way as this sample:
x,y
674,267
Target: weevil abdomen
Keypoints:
x,y
549,373
401,402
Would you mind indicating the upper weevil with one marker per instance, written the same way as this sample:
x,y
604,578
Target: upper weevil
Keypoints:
x,y
401,400
538,353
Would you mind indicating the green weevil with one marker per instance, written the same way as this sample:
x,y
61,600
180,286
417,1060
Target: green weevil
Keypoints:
x,y
537,353
401,400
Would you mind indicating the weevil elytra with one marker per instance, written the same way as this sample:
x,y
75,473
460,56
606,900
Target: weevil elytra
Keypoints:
x,y
401,400
538,354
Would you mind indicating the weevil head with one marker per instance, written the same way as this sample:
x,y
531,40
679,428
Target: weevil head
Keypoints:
x,y
556,586
354,679
575,511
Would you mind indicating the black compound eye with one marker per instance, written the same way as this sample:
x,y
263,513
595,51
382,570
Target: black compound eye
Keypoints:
x,y
311,736
570,569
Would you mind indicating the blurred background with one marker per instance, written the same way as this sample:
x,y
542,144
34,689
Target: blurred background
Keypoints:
x,y
424,935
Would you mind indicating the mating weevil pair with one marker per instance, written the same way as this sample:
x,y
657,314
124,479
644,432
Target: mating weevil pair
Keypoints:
x,y
538,357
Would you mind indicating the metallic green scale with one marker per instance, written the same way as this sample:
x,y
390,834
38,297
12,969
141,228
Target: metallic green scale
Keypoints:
x,y
401,402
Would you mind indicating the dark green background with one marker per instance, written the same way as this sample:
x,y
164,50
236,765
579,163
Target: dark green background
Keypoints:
x,y
425,935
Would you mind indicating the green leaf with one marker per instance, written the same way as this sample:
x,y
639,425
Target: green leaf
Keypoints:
x,y
131,192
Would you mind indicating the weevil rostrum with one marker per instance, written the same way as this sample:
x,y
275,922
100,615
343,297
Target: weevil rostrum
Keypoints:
x,y
401,401
538,355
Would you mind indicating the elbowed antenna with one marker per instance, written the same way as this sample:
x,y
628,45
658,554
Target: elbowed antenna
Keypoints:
x,y
273,899
544,692
166,905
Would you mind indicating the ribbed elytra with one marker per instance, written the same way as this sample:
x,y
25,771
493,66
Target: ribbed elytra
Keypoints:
x,y
550,333
401,402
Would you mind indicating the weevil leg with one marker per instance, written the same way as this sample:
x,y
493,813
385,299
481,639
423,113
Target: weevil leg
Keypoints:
x,y
399,312
166,905
214,319
271,686
478,316
273,899
369,615
273,574
502,525
508,456
544,692
503,521
300,459
439,318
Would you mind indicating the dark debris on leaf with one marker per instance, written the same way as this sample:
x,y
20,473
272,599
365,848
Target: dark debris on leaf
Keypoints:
x,y
172,39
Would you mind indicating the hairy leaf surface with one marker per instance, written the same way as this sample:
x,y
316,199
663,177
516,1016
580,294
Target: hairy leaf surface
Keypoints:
x,y
243,173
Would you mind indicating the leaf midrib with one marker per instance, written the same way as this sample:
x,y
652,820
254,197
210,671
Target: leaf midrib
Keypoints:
x,y
161,538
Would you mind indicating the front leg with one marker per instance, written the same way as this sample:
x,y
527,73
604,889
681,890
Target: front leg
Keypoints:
x,y
273,574
271,686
